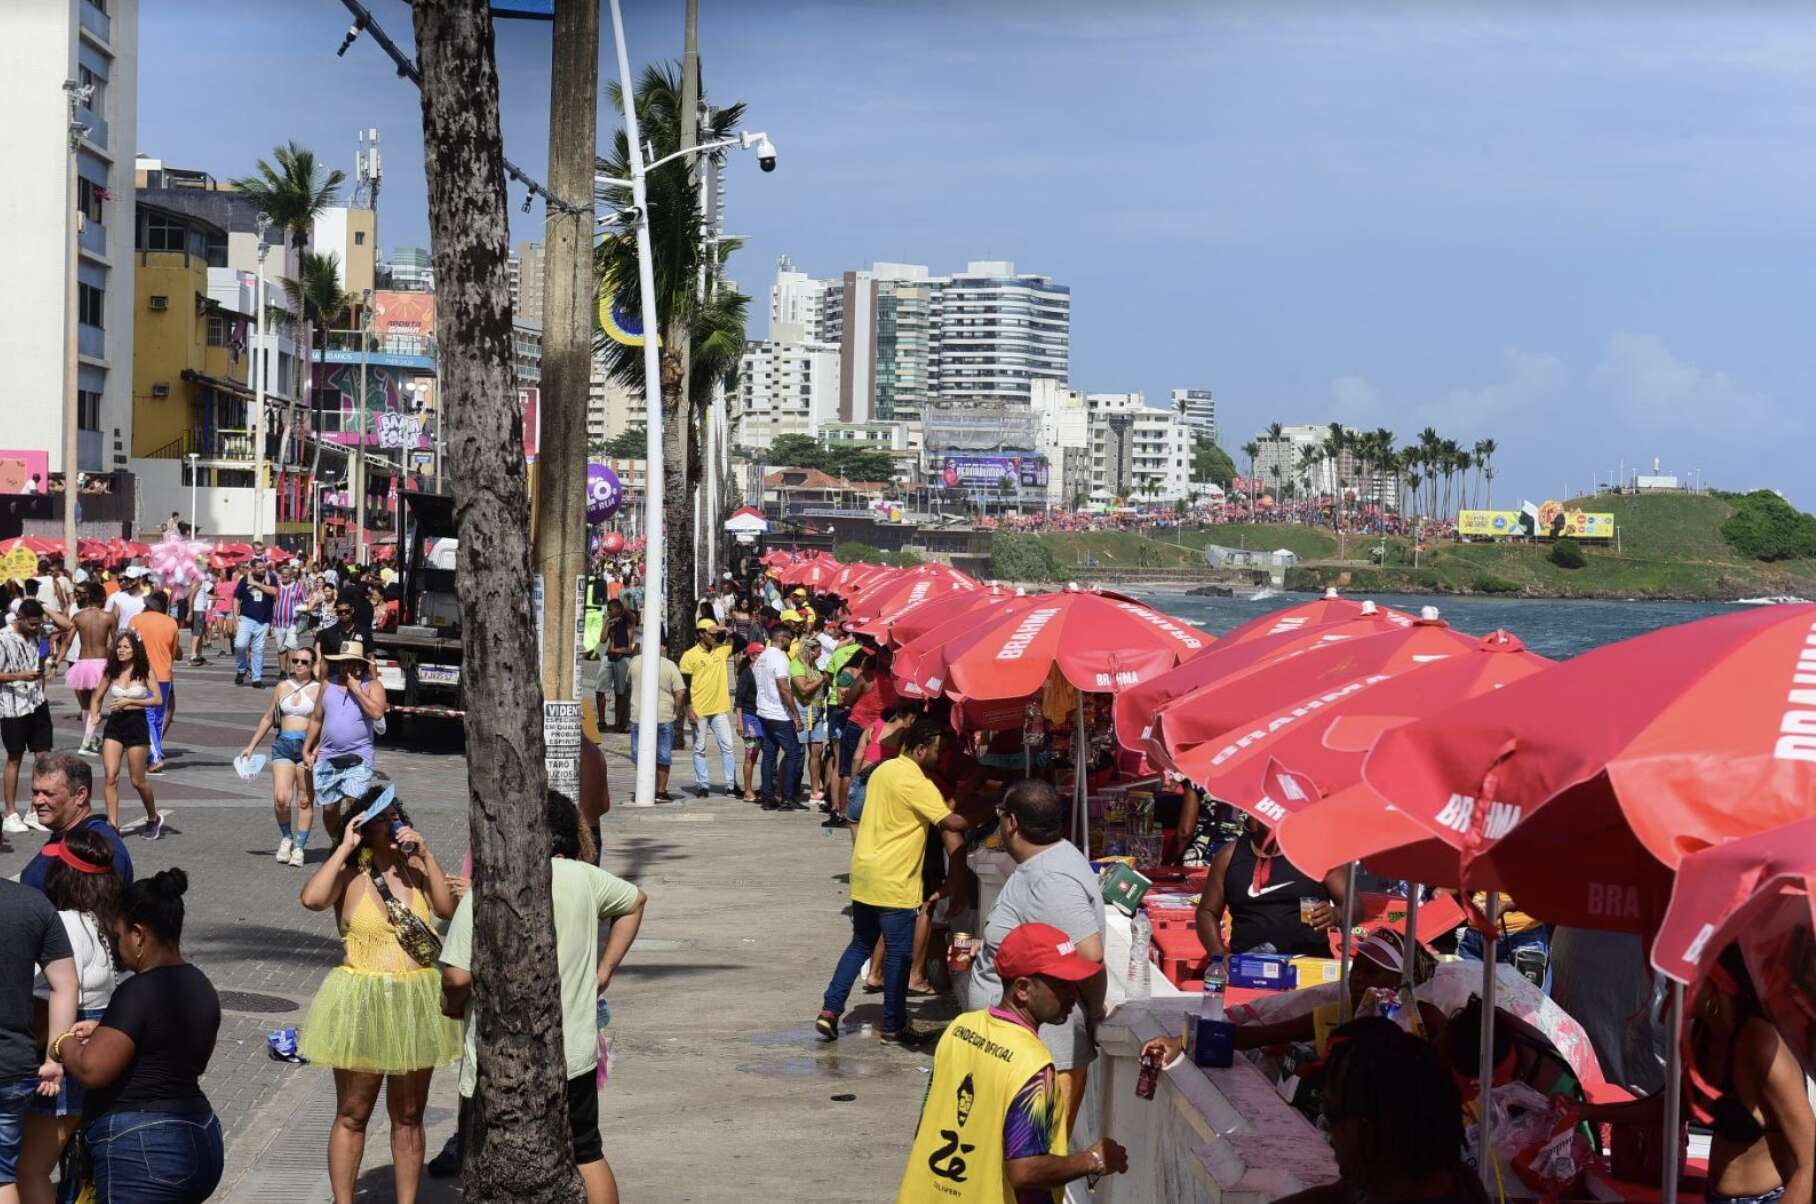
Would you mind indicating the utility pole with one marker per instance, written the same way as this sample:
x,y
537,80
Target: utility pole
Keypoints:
x,y
257,364
72,377
361,552
559,545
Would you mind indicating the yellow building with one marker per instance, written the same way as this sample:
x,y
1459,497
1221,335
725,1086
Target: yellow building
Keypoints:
x,y
190,363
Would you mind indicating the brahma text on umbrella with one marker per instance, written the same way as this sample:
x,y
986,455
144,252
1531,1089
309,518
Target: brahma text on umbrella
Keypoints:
x,y
1155,618
1459,813
1797,727
1016,646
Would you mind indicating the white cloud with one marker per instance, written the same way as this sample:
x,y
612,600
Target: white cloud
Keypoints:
x,y
1356,401
1652,386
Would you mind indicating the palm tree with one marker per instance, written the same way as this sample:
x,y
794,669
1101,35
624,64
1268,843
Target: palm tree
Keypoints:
x,y
681,261
1309,459
292,195
1251,449
318,294
1486,449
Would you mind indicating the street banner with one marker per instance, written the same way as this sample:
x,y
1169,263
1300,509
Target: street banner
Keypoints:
x,y
1494,524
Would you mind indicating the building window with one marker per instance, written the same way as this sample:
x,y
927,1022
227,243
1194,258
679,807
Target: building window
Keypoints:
x,y
89,79
89,303
217,330
88,410
215,250
359,238
163,233
88,198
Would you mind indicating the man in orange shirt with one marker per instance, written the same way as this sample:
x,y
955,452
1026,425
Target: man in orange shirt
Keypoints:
x,y
163,648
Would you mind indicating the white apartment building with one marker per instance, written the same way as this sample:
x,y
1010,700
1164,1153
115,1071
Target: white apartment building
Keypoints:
x,y
786,386
611,408
994,332
1322,478
95,45
1199,409
1138,453
799,300
1064,439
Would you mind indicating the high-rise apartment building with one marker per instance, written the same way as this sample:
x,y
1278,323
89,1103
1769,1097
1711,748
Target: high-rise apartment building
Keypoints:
x,y
411,270
995,331
902,371
611,408
50,44
1199,409
797,299
1138,452
1282,462
784,388
527,282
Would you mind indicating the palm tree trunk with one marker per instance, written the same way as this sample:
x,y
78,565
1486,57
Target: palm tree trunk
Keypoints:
x,y
518,1146
677,497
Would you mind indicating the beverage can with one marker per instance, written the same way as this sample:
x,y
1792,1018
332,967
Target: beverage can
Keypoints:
x,y
959,953
1149,1078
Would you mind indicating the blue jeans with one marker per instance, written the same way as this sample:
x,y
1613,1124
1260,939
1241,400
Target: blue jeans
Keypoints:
x,y
896,926
15,1101
249,648
154,1157
158,718
779,736
665,744
1520,950
720,727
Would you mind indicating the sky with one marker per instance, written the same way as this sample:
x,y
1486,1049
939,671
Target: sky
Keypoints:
x,y
1583,231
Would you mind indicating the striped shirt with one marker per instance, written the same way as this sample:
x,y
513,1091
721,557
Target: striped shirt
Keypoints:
x,y
19,698
289,598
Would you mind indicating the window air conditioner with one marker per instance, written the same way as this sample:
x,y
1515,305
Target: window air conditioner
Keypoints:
x,y
160,390
159,302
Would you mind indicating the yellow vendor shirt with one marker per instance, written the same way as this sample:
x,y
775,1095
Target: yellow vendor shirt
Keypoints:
x,y
708,678
892,837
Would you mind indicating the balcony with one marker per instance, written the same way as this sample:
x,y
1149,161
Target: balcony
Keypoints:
x,y
94,238
91,341
96,22
97,126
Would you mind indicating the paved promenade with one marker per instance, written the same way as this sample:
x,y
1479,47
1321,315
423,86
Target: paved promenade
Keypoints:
x,y
718,1092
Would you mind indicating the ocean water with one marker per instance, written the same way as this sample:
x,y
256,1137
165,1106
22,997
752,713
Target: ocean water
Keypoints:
x,y
1555,628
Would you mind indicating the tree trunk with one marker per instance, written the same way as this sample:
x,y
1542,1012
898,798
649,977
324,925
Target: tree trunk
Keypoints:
x,y
518,1145
677,496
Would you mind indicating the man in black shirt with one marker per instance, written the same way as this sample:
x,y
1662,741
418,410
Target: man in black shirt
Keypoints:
x,y
31,936
346,627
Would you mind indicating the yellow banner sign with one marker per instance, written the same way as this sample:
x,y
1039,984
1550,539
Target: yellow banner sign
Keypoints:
x,y
19,564
1495,524
1581,524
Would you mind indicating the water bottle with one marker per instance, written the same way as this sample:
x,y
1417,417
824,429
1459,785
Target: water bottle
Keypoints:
x,y
1216,978
602,1013
1141,935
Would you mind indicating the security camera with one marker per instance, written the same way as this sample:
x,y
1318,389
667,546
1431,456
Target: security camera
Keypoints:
x,y
766,151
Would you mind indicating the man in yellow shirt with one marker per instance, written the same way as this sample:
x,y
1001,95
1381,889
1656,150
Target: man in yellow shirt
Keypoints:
x,y
706,669
886,863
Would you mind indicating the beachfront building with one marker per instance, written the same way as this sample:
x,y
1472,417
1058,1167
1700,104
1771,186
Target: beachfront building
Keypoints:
x,y
527,282
1139,454
46,46
1064,439
1199,409
611,407
410,270
1281,464
995,331
785,387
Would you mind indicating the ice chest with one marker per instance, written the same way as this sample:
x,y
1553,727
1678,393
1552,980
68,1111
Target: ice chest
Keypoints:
x,y
1310,971
1264,971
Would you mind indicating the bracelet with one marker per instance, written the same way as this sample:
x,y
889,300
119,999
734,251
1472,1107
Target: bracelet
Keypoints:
x,y
56,1047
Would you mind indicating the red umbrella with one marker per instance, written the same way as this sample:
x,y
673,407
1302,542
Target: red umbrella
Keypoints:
x,y
233,551
1246,646
906,588
921,666
1579,789
35,544
91,549
1102,642
777,559
132,547
279,555
904,626
1370,686
815,573
845,580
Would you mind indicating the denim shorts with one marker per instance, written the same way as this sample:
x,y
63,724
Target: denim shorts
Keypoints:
x,y
154,1157
332,785
753,729
15,1102
1771,1197
665,744
288,746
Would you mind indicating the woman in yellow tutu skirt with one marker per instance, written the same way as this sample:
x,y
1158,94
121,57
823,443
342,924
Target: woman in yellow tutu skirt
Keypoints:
x,y
377,1018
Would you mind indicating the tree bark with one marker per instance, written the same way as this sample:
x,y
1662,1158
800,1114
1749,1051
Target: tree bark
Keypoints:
x,y
677,495
518,1146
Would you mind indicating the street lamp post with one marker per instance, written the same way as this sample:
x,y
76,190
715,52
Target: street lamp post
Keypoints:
x,y
362,552
78,94
258,365
195,476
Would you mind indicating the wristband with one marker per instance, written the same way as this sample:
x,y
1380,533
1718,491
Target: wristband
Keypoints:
x,y
56,1047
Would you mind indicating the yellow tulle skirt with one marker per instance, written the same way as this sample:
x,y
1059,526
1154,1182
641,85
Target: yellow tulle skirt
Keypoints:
x,y
379,1023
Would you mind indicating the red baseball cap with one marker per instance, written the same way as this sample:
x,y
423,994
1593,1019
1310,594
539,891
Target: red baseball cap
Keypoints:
x,y
753,649
1042,949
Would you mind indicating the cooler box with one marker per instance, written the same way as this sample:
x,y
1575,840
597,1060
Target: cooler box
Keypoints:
x,y
1311,971
1263,971
1180,956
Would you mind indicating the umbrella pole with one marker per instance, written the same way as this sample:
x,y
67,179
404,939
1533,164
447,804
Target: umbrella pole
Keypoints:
x,y
1485,1048
1082,821
1349,913
1414,889
1674,1074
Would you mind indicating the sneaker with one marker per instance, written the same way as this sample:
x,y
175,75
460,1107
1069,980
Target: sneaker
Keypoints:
x,y
283,848
155,770
87,749
296,856
31,821
239,679
836,821
280,1046
826,1024
14,824
791,805
770,804
446,1164
909,1037
153,829
703,792
663,796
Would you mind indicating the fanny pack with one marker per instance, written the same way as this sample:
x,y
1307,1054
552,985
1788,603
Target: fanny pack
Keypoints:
x,y
417,938
346,761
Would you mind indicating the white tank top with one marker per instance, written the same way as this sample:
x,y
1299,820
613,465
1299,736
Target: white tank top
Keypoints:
x,y
299,700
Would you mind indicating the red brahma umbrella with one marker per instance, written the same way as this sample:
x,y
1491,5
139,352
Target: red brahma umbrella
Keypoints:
x,y
1321,612
908,588
35,544
901,627
920,666
815,573
1324,734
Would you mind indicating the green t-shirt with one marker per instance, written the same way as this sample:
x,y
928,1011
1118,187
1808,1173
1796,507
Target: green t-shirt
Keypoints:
x,y
583,895
835,667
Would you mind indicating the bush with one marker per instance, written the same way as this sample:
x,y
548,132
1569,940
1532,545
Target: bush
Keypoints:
x,y
1766,527
1021,558
903,559
1488,583
852,552
1567,555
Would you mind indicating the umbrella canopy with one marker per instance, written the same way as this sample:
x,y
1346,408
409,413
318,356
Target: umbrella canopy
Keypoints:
x,y
908,588
1323,735
1245,648
921,667
90,549
778,559
1321,612
1225,706
901,627
815,573
1102,642
1579,789
233,551
132,547
850,577
36,544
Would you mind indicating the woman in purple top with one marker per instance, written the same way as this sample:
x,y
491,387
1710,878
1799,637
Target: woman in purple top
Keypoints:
x,y
338,749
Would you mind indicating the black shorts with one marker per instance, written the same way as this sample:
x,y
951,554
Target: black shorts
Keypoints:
x,y
27,732
583,1118
131,728
848,746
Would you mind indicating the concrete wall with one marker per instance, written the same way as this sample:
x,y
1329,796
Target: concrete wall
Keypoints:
x,y
219,513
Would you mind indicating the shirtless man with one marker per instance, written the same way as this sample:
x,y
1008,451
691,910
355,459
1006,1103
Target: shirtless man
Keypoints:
x,y
95,629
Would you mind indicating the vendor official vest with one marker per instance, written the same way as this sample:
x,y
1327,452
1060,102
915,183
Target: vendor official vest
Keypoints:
x,y
981,1063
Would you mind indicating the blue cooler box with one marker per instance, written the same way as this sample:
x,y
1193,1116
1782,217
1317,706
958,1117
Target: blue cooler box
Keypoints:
x,y
1266,971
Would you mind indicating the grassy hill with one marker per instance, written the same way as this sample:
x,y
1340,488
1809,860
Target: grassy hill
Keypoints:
x,y
1670,547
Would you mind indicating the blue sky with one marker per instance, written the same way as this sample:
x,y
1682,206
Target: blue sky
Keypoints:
x,y
1584,231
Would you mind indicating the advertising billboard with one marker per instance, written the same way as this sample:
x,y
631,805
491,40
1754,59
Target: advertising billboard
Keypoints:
x,y
1491,524
1582,524
990,472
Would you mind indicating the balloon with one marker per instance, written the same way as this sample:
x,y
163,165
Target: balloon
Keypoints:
x,y
611,543
603,493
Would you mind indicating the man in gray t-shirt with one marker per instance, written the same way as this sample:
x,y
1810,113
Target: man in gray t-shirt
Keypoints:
x,y
1052,884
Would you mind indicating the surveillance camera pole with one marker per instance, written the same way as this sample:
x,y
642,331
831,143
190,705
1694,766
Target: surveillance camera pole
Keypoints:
x,y
652,401
72,377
